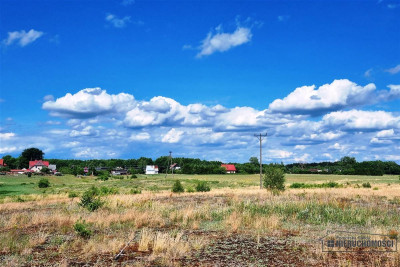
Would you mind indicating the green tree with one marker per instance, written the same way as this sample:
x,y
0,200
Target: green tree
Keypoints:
x,y
274,178
10,161
254,160
30,154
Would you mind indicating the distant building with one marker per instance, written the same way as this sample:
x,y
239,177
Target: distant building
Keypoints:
x,y
230,168
53,167
38,165
2,164
119,171
151,169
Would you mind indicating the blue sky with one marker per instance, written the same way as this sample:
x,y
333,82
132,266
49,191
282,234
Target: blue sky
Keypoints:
x,y
124,79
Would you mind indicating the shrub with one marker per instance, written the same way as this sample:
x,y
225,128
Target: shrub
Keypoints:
x,y
72,194
103,177
274,179
375,188
190,190
133,176
81,228
366,185
177,187
91,200
29,174
43,183
136,191
202,186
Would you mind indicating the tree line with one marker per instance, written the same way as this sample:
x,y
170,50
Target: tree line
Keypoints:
x,y
345,166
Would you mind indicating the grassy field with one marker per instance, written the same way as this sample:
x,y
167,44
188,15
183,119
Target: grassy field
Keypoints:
x,y
235,224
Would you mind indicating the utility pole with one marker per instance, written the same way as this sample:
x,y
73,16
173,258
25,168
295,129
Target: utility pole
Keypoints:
x,y
168,164
260,138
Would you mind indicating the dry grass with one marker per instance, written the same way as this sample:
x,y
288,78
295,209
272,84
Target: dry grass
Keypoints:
x,y
167,221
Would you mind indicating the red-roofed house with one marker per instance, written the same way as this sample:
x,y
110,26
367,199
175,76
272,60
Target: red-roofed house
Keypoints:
x,y
2,164
230,168
37,165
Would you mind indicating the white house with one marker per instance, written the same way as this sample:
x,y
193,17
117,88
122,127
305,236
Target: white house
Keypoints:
x,y
37,165
151,169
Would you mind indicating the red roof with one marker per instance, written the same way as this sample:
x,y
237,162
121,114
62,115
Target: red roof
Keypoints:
x,y
229,167
1,162
38,163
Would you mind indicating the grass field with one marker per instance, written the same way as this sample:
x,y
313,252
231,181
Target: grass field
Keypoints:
x,y
235,224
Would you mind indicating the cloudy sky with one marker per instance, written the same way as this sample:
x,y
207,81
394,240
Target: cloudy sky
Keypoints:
x,y
125,79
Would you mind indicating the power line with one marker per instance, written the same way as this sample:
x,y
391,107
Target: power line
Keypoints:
x,y
260,138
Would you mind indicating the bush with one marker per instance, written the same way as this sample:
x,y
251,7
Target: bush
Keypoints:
x,y
29,174
133,176
366,185
43,183
91,200
103,177
72,194
274,179
177,187
202,186
81,228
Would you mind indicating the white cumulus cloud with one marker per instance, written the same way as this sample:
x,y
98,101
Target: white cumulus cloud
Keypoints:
x,y
89,102
328,97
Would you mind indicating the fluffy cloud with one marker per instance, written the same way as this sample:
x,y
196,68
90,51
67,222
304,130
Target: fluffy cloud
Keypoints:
x,y
279,154
22,38
220,41
5,150
6,136
173,136
140,137
361,120
89,102
328,97
87,131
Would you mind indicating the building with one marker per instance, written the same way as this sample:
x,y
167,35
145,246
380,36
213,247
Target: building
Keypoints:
x,y
151,169
230,168
38,165
119,171
53,168
2,164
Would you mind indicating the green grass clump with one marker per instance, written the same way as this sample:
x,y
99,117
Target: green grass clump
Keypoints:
x,y
82,229
72,194
136,191
190,189
366,185
202,186
177,187
108,191
43,183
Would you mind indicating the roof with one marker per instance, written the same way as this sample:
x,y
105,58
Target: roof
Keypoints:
x,y
2,162
33,163
229,167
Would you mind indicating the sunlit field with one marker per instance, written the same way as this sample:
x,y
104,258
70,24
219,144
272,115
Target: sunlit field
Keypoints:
x,y
234,224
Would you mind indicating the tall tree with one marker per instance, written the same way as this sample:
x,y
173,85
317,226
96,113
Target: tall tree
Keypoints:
x,y
28,154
